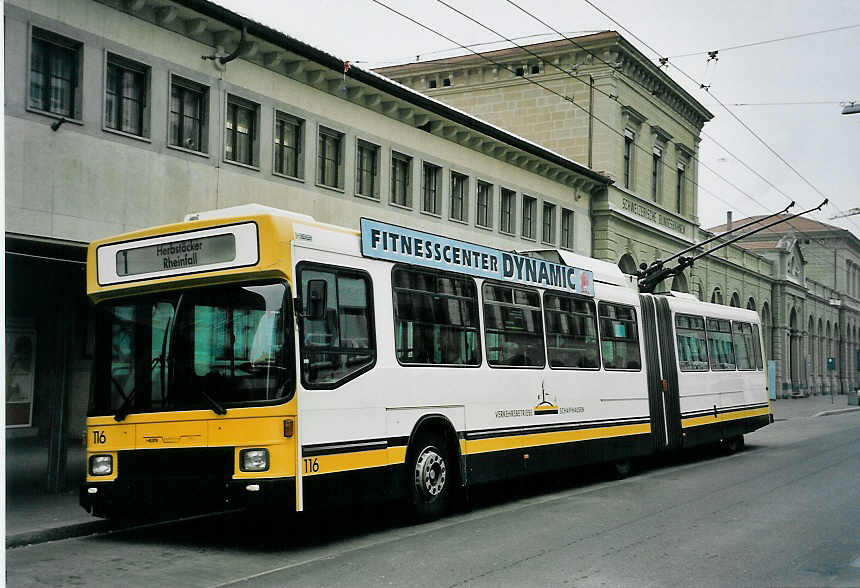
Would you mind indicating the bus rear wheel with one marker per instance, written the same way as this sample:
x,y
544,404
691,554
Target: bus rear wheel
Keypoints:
x,y
431,478
733,444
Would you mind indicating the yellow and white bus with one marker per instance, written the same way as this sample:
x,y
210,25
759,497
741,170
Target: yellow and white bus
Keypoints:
x,y
255,356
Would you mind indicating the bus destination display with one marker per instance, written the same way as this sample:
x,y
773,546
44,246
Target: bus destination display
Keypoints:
x,y
176,255
393,243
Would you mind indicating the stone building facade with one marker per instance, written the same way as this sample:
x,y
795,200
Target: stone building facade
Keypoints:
x,y
815,315
126,114
597,99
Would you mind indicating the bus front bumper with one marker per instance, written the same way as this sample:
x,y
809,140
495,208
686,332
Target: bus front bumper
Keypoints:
x,y
150,497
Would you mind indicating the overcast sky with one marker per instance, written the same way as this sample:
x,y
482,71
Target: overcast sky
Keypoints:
x,y
815,139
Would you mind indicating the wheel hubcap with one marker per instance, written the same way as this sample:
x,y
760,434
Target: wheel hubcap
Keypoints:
x,y
430,474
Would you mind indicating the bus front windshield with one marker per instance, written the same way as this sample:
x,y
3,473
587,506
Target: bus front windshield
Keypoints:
x,y
204,348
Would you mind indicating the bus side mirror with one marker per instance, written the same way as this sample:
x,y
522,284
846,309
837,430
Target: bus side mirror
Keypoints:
x,y
316,300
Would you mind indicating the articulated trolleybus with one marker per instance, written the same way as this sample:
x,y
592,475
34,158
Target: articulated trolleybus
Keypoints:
x,y
255,356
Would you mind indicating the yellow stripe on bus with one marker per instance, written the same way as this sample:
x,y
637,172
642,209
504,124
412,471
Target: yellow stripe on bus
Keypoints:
x,y
728,416
358,460
354,460
538,439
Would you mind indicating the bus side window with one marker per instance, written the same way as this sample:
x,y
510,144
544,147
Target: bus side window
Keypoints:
x,y
759,364
720,347
743,340
513,326
692,345
571,332
435,317
619,337
338,343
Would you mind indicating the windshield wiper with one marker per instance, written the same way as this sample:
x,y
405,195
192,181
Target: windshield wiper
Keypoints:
x,y
125,408
213,404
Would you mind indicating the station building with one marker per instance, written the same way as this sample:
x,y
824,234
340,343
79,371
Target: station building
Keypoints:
x,y
816,303
598,99
123,114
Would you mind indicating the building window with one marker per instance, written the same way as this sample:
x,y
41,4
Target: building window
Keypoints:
x,y
330,158
54,73
240,131
529,217
548,230
367,169
628,158
507,210
484,205
435,318
430,177
459,195
566,229
679,189
126,89
288,141
656,173
188,114
401,180
513,326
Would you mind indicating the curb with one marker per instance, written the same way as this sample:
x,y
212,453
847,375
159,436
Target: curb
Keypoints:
x,y
57,533
836,411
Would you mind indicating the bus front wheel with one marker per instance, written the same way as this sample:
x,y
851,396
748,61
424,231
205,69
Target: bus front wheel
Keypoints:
x,y
431,478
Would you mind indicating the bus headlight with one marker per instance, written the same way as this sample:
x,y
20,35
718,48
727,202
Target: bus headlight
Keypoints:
x,y
254,460
101,465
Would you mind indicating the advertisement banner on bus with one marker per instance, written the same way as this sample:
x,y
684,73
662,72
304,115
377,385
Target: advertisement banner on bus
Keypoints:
x,y
394,243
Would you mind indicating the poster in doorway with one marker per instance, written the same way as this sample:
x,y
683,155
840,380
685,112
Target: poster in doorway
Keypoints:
x,y
20,376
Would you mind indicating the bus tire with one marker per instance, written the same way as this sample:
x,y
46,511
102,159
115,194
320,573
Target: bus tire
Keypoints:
x,y
733,444
622,469
431,477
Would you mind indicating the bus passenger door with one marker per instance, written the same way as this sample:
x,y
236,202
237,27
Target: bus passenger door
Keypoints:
x,y
669,368
656,397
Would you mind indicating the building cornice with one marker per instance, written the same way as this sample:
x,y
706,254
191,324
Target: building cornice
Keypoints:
x,y
215,26
576,56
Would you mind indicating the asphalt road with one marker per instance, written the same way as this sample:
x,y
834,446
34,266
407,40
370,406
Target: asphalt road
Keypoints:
x,y
784,512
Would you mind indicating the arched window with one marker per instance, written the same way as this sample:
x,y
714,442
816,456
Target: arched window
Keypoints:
x,y
810,344
765,327
736,300
697,291
751,304
717,296
679,283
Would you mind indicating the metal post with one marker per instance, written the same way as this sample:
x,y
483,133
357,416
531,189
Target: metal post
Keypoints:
x,y
58,443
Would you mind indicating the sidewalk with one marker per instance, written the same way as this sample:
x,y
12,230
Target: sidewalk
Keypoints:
x,y
34,516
